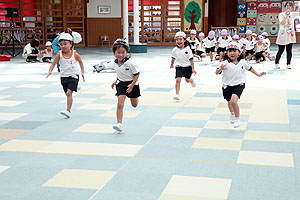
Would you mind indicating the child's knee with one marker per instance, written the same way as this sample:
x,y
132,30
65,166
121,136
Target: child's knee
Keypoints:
x,y
178,80
120,105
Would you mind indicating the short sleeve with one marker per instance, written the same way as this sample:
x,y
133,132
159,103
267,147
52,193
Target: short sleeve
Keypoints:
x,y
174,53
221,63
134,68
190,53
247,66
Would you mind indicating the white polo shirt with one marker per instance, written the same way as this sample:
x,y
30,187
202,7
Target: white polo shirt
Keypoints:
x,y
209,43
268,42
193,43
127,71
235,73
223,43
249,44
182,56
201,47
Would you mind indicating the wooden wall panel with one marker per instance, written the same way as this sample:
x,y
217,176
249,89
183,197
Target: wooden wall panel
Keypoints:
x,y
96,27
222,13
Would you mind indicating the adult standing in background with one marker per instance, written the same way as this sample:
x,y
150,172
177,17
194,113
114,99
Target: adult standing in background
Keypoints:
x,y
286,35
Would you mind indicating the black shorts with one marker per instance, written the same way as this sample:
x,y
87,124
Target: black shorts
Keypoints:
x,y
193,51
45,58
229,90
69,83
199,53
221,49
250,52
184,72
122,86
211,49
259,55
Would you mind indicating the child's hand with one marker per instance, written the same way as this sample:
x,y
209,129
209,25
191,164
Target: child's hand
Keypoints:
x,y
113,85
262,73
83,77
171,66
194,72
49,73
223,67
39,54
130,87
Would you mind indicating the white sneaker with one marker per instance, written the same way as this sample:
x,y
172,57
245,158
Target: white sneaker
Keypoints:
x,y
237,123
193,83
232,118
176,97
118,127
277,66
288,66
65,113
78,87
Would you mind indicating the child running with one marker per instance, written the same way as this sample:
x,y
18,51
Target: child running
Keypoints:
x,y
249,45
194,42
210,44
201,48
69,71
182,56
127,79
222,43
233,80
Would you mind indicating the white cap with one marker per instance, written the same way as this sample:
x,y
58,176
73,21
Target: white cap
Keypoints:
x,y
193,32
249,32
77,37
236,37
65,36
234,45
180,34
254,34
48,44
201,34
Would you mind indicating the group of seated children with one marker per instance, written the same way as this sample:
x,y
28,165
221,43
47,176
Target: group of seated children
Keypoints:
x,y
31,51
252,46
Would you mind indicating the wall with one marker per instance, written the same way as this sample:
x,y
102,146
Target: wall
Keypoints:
x,y
103,24
92,8
222,13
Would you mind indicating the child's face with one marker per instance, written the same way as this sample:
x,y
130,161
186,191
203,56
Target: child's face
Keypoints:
x,y
193,35
248,36
180,42
236,40
48,48
201,38
120,54
233,54
65,45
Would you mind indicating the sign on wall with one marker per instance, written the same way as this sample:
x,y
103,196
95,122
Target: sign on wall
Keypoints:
x,y
193,15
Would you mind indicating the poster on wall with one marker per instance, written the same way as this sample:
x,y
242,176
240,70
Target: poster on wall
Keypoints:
x,y
193,15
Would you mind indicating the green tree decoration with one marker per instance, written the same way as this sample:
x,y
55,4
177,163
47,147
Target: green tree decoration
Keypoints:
x,y
192,14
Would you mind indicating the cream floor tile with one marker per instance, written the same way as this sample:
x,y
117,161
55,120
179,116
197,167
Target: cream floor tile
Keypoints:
x,y
224,125
3,88
100,149
266,158
10,103
163,99
211,89
78,178
226,111
9,134
3,96
179,131
98,106
102,89
268,136
81,100
241,105
196,188
191,116
126,114
95,128
57,94
217,143
11,116
24,145
109,96
203,102
31,85
3,168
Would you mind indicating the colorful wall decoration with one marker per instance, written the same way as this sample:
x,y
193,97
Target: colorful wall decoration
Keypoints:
x,y
193,15
261,15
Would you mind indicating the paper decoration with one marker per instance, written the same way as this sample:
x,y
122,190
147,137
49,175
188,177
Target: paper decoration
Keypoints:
x,y
263,7
251,13
252,28
252,6
251,21
242,29
242,14
241,21
242,6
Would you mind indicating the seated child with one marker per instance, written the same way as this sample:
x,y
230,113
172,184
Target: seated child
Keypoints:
x,y
48,52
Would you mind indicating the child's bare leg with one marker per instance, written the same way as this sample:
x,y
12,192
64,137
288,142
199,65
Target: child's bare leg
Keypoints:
x,y
233,101
188,80
48,60
69,94
134,102
177,85
221,56
230,107
211,56
121,100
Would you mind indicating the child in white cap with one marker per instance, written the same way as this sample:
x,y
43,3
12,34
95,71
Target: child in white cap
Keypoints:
x,y
69,70
48,52
194,42
182,56
260,48
222,43
268,43
201,48
210,44
233,80
249,45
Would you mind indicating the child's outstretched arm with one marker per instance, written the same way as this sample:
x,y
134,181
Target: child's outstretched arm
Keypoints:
x,y
257,74
172,63
78,58
220,69
53,65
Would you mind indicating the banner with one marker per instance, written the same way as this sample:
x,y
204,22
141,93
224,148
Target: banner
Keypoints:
x,y
193,15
